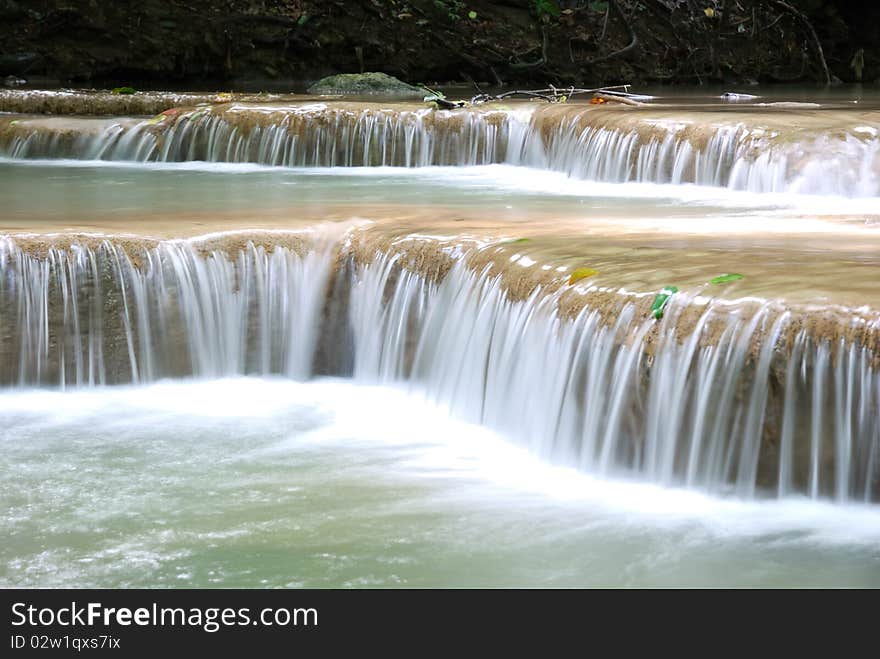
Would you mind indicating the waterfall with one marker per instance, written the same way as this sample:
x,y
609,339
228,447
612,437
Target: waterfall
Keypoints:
x,y
754,398
102,314
311,135
821,152
745,400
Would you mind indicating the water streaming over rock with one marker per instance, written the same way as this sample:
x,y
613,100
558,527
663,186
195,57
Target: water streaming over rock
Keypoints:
x,y
88,315
752,398
713,398
815,152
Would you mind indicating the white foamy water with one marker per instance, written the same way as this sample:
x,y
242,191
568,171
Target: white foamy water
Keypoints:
x,y
270,482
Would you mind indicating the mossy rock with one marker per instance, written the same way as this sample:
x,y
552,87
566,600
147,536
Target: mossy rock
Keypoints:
x,y
366,83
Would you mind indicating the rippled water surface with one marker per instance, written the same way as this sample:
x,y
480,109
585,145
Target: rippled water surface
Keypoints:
x,y
248,482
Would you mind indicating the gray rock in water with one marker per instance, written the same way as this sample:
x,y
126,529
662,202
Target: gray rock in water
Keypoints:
x,y
734,97
366,83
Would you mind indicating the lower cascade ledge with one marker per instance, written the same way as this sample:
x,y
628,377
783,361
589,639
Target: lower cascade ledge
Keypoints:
x,y
755,397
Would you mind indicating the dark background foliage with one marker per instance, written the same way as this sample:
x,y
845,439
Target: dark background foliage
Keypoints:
x,y
272,43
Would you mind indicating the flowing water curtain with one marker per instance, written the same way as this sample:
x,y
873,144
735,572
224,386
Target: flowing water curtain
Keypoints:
x,y
753,152
100,314
304,137
749,399
729,401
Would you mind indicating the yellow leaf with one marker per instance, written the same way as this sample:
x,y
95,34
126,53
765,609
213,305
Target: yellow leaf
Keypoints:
x,y
709,12
581,273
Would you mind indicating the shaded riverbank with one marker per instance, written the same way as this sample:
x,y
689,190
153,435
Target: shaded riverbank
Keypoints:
x,y
281,45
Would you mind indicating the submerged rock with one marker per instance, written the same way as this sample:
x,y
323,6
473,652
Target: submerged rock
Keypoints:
x,y
366,83
735,97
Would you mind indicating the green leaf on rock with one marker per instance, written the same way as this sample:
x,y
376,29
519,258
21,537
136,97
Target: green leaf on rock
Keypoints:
x,y
472,15
661,300
123,90
723,279
433,94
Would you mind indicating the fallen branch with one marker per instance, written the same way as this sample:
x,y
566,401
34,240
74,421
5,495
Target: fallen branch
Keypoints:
x,y
617,98
550,94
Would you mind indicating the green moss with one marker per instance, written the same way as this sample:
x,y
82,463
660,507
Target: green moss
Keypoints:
x,y
366,83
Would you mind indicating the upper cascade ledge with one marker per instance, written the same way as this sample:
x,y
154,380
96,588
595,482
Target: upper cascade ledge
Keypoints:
x,y
830,152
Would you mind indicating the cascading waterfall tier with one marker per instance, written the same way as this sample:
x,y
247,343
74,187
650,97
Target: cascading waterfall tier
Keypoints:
x,y
829,152
749,396
307,135
101,312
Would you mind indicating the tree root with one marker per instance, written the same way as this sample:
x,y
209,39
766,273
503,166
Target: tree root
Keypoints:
x,y
806,21
633,39
533,65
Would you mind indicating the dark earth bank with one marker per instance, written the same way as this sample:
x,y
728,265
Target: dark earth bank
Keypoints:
x,y
272,44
